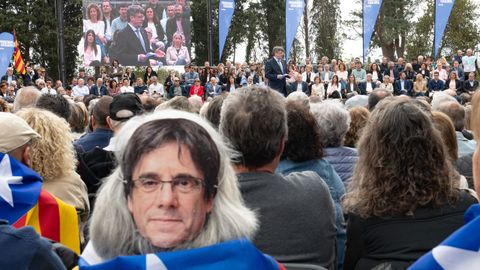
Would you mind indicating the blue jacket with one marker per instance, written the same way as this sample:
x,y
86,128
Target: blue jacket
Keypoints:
x,y
272,70
98,138
436,85
24,249
337,190
94,91
343,159
407,87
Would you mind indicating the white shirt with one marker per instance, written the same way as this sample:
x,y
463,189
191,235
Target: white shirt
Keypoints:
x,y
369,88
326,78
97,27
126,89
468,63
50,91
299,87
156,88
151,25
80,91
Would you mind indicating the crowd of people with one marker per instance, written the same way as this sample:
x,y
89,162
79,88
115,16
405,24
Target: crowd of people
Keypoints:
x,y
329,165
154,33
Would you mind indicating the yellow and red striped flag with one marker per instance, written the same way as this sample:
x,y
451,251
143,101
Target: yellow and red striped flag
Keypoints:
x,y
17,56
53,219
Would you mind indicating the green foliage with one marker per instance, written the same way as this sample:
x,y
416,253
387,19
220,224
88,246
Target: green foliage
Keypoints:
x,y
325,15
461,31
36,27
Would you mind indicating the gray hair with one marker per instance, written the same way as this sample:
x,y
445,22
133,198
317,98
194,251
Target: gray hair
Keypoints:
x,y
243,119
299,97
134,9
333,120
26,97
439,98
277,49
112,229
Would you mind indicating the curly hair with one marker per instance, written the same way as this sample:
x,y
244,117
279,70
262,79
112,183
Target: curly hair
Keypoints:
x,y
52,155
304,140
402,163
359,116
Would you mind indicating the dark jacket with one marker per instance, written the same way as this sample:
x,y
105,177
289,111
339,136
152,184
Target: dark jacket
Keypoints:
x,y
396,73
363,87
24,249
292,230
464,167
375,240
95,91
470,88
407,86
98,138
436,85
129,47
272,70
305,89
458,85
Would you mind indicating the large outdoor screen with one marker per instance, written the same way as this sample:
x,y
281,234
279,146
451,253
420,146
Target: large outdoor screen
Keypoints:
x,y
136,33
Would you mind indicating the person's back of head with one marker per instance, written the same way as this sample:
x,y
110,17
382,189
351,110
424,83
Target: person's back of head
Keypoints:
x,y
180,103
376,96
333,120
456,112
79,117
243,120
212,113
359,117
26,97
299,97
444,124
100,111
403,163
195,103
56,104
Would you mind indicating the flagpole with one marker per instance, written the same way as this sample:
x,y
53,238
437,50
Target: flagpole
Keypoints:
x,y
363,31
434,25
60,41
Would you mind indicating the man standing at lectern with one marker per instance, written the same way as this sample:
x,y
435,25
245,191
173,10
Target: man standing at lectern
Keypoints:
x,y
276,71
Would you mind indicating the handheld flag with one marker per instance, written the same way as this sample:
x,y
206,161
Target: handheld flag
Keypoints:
x,y
53,219
232,255
19,188
461,250
17,56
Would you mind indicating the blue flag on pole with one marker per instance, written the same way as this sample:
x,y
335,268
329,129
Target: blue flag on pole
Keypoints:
x,y
293,15
7,47
225,14
231,255
461,250
19,188
370,14
442,13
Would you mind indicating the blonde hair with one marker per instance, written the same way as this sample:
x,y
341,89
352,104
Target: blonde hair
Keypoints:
x,y
52,156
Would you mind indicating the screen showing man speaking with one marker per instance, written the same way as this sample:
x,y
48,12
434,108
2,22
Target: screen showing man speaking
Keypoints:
x,y
136,33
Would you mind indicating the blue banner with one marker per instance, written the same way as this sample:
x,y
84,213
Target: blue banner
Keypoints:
x,y
225,14
442,12
370,14
293,15
19,188
7,47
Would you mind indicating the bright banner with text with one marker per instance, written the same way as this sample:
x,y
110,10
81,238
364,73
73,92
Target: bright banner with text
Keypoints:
x,y
442,13
225,14
7,46
370,14
293,15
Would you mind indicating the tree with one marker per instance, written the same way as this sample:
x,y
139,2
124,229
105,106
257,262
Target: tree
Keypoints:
x,y
272,22
36,28
461,31
324,19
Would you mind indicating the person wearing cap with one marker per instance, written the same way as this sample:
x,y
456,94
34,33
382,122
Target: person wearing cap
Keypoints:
x,y
15,137
98,163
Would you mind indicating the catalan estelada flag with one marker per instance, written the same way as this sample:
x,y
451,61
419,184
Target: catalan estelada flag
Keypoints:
x,y
17,57
232,255
53,219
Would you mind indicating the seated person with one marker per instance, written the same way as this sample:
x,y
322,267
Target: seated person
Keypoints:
x,y
400,210
290,229
403,86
